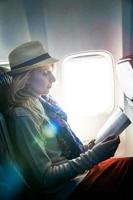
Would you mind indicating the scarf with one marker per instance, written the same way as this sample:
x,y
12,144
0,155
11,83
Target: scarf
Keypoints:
x,y
70,144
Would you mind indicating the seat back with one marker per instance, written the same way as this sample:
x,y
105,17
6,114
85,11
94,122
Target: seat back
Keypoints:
x,y
5,143
12,183
5,82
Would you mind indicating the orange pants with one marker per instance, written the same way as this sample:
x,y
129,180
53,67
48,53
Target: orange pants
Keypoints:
x,y
110,179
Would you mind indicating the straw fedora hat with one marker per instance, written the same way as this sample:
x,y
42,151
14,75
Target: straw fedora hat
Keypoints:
x,y
28,56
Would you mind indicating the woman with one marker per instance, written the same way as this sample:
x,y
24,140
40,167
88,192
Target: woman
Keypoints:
x,y
51,157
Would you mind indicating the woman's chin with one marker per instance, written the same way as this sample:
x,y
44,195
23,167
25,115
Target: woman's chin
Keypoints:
x,y
46,92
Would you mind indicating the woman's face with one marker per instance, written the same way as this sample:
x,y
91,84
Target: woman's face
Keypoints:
x,y
41,80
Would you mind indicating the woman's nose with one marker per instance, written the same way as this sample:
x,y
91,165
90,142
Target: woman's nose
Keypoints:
x,y
52,78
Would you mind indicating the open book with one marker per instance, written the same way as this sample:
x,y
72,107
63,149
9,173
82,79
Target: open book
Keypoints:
x,y
115,125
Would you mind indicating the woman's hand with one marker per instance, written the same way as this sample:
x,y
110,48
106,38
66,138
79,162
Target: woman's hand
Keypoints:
x,y
108,147
90,145
111,143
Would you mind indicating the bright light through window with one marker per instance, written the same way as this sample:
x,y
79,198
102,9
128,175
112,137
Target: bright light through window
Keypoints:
x,y
88,84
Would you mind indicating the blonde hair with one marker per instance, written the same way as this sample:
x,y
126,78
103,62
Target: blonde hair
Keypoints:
x,y
20,96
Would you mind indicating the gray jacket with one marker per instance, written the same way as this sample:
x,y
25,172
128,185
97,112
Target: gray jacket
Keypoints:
x,y
43,154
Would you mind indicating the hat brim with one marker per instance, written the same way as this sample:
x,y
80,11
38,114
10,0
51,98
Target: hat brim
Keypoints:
x,y
33,66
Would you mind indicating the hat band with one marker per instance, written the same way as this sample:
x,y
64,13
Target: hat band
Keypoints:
x,y
33,61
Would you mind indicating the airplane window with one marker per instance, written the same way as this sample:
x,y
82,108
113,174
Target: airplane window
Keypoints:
x,y
88,85
88,88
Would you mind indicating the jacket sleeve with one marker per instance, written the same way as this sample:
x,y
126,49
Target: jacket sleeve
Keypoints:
x,y
48,174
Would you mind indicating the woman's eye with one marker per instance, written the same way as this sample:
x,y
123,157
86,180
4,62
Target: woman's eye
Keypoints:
x,y
46,73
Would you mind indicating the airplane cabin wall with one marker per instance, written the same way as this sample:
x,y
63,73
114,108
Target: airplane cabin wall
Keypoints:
x,y
63,26
127,39
83,25
20,21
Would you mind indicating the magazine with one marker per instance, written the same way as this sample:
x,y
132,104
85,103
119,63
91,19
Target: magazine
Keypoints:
x,y
115,125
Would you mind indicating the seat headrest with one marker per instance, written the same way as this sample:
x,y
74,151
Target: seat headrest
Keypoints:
x,y
5,81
